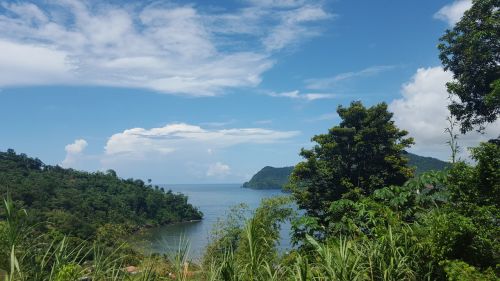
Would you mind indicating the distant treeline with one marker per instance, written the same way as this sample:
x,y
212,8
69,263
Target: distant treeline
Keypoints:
x,y
77,203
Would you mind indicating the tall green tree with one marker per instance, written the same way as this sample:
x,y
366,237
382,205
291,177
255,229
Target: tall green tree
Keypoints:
x,y
471,50
360,155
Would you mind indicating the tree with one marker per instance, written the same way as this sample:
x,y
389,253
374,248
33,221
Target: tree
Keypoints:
x,y
479,184
360,155
471,50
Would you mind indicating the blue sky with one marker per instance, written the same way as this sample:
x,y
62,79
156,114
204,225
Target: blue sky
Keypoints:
x,y
212,91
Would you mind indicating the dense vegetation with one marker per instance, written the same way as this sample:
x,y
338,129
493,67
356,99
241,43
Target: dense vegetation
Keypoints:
x,y
269,178
366,216
78,203
277,178
437,226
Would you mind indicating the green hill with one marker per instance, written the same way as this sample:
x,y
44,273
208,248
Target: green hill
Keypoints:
x,y
269,178
424,164
276,178
77,203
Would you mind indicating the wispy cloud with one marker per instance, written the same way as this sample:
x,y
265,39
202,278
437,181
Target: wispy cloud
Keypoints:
x,y
138,142
329,82
168,48
306,96
324,117
293,25
453,12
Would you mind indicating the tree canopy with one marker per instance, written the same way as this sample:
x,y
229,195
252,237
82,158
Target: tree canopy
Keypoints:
x,y
360,155
471,50
78,203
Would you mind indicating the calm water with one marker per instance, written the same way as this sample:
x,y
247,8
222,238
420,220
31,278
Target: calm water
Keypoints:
x,y
215,201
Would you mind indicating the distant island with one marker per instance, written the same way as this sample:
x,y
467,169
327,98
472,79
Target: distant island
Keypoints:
x,y
269,178
275,178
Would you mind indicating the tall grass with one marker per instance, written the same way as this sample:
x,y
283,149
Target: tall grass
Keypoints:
x,y
30,258
252,255
391,255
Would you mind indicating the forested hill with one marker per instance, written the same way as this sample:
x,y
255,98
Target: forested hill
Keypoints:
x,y
77,203
269,178
424,164
276,178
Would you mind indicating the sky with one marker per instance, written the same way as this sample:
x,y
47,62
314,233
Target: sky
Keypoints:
x,y
212,91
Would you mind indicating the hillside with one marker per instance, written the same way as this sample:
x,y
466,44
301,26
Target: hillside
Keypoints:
x,y
78,203
276,178
424,164
269,178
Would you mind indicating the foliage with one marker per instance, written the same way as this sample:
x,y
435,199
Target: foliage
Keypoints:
x,y
471,50
360,155
461,271
251,252
79,203
479,185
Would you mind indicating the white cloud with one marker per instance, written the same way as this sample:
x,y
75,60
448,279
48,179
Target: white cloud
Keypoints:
x,y
307,96
73,152
169,48
218,170
293,26
76,147
329,82
182,152
422,111
453,12
138,142
23,64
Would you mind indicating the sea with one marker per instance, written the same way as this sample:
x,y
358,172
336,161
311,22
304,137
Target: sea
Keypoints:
x,y
215,201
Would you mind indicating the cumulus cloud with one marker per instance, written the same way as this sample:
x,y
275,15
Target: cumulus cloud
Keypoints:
x,y
422,111
73,152
453,12
330,82
138,142
307,96
175,49
218,170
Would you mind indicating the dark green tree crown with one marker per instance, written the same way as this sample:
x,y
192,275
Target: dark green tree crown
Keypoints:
x,y
471,50
360,155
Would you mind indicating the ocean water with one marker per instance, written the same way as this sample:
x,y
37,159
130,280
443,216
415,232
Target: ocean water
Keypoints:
x,y
215,201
